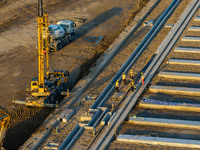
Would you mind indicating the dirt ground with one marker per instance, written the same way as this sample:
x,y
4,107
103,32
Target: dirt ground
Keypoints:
x,y
18,58
18,53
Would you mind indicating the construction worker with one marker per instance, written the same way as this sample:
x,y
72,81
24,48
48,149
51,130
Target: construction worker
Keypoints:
x,y
132,85
124,78
131,74
117,86
142,77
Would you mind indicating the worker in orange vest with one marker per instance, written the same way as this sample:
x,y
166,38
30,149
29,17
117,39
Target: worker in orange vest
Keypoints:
x,y
142,77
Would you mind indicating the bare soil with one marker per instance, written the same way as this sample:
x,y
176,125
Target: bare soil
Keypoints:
x,y
18,53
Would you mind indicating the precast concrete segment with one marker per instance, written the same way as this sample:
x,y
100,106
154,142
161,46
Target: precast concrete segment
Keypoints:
x,y
180,107
187,49
175,90
162,52
159,141
70,137
135,55
191,39
184,62
194,28
179,75
197,18
171,123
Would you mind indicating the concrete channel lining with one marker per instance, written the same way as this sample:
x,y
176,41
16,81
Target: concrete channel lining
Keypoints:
x,y
155,104
194,28
172,123
191,39
184,62
179,75
187,49
175,90
159,141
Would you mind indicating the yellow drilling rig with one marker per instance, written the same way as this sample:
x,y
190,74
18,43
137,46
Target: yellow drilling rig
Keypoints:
x,y
44,89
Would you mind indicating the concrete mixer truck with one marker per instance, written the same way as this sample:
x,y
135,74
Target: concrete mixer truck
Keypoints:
x,y
61,34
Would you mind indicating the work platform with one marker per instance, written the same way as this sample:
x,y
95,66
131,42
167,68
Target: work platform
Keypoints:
x,y
159,141
179,75
175,90
187,49
184,62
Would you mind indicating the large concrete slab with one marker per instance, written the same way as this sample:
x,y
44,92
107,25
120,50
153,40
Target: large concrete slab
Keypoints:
x,y
187,49
191,38
159,141
155,104
194,28
184,62
172,123
197,18
175,90
179,75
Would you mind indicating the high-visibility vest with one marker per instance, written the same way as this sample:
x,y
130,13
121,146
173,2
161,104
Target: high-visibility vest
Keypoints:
x,y
117,84
123,77
132,83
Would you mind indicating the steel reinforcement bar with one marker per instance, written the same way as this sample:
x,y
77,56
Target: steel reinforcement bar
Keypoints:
x,y
166,46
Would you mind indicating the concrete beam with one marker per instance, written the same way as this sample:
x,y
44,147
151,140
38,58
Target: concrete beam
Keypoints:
x,y
175,90
155,104
194,28
191,39
169,25
187,49
159,141
184,62
179,75
172,123
197,18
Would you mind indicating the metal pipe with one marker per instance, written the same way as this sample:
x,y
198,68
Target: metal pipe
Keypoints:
x,y
40,8
128,64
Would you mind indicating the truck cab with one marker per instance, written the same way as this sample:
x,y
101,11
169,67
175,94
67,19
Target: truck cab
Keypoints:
x,y
69,26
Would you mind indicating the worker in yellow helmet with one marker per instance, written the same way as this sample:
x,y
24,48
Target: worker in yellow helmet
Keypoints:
x,y
117,86
124,78
132,85
131,74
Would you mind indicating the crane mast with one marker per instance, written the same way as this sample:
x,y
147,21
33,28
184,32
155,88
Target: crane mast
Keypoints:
x,y
43,47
